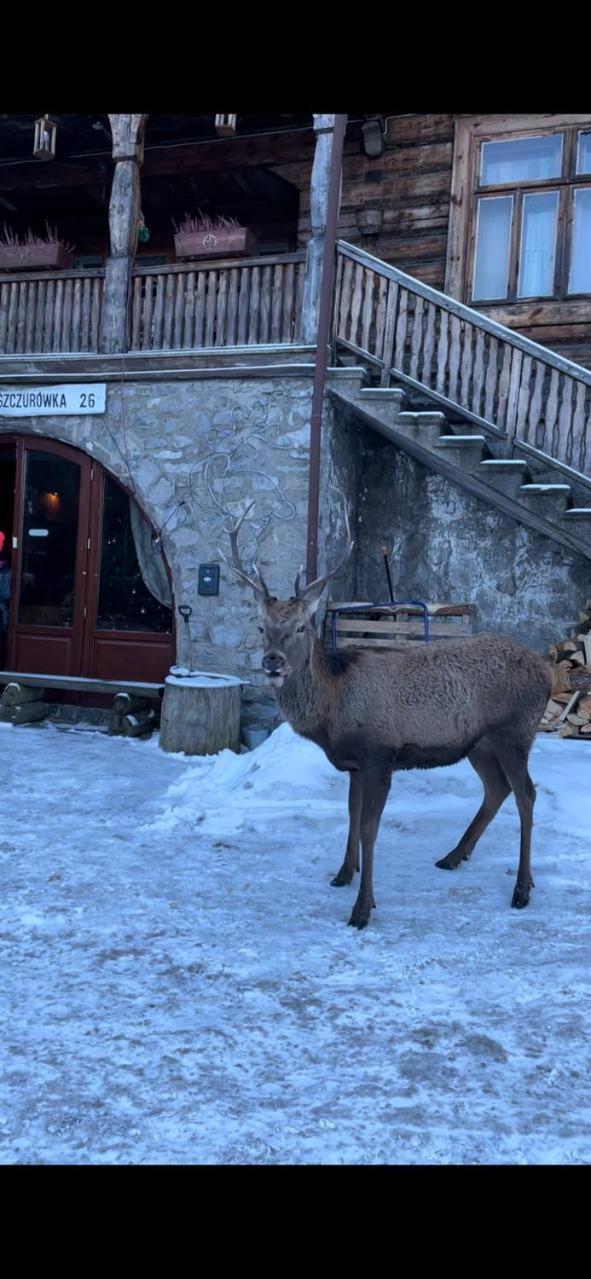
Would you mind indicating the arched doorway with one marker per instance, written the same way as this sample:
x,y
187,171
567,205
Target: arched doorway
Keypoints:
x,y
89,596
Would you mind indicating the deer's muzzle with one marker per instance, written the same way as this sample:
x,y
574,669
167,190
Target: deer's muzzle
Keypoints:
x,y
275,668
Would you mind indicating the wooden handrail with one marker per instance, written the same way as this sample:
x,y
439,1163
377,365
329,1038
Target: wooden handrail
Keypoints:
x,y
515,388
464,312
216,264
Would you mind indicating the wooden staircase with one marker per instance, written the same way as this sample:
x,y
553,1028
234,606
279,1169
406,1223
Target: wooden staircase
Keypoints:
x,y
505,418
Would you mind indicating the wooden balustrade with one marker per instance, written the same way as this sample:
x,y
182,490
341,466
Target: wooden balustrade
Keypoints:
x,y
42,312
233,302
494,376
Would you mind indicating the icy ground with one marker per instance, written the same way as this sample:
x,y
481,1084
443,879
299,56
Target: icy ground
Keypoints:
x,y
178,984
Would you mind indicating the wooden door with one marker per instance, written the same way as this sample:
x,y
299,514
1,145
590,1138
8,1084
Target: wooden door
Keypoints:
x,y
50,552
80,601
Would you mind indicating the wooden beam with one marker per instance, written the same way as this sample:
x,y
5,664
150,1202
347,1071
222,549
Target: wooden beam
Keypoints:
x,y
124,213
324,127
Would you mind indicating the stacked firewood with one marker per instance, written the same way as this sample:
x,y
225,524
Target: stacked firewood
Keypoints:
x,y
568,712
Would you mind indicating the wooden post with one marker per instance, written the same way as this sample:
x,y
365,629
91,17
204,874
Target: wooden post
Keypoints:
x,y
124,214
324,129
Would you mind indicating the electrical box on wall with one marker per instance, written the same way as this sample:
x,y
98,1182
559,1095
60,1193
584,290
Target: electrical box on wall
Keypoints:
x,y
208,579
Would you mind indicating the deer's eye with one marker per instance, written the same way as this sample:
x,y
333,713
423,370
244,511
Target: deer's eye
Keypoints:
x,y
261,629
300,630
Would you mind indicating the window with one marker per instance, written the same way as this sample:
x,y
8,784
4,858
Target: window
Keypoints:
x,y
531,218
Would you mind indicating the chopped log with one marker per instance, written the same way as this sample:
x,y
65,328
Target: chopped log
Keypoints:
x,y
584,707
578,658
562,698
580,678
126,703
137,725
567,730
562,678
30,713
201,718
569,707
585,730
565,649
587,649
17,694
554,707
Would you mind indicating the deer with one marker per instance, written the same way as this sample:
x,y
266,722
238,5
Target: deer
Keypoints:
x,y
375,712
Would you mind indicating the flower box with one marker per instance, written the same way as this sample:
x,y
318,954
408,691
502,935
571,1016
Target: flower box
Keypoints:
x,y
214,244
34,257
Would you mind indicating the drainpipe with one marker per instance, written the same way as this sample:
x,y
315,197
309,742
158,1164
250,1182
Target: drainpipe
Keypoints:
x,y
323,342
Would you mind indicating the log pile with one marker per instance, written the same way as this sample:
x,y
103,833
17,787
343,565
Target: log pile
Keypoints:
x,y
568,712
21,705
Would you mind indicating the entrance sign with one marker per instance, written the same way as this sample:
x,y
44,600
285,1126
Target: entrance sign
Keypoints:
x,y
36,401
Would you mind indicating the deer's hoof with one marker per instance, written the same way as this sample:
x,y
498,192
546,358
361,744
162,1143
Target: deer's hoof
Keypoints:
x,y
358,921
521,893
360,915
451,862
340,880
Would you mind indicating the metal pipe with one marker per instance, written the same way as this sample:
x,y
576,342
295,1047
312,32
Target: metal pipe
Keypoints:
x,y
322,344
388,574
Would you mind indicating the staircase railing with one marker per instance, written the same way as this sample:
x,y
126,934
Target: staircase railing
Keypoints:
x,y
491,375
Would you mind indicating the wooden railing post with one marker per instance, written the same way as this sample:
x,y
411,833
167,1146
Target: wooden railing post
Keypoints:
x,y
324,129
124,213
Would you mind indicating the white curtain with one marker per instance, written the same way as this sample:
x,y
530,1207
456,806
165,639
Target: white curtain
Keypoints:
x,y
491,267
580,268
152,567
538,245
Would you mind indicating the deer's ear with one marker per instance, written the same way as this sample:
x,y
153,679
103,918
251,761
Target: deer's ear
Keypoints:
x,y
311,599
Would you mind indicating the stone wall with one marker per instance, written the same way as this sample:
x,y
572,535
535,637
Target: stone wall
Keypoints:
x,y
447,545
190,450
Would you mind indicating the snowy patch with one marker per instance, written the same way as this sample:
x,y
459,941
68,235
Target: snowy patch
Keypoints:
x,y
179,984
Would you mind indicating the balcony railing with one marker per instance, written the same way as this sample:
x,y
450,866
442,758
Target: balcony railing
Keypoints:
x,y
188,306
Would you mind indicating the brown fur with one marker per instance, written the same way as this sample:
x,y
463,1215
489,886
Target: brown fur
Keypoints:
x,y
376,711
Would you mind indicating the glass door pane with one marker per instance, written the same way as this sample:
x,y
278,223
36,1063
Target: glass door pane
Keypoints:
x,y
50,535
134,592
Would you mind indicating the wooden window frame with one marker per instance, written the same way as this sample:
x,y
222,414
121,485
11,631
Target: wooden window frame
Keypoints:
x,y
470,132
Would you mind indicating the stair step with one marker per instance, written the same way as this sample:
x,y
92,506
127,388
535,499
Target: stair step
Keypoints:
x,y
579,520
548,499
425,428
465,451
384,402
505,475
377,393
450,441
545,488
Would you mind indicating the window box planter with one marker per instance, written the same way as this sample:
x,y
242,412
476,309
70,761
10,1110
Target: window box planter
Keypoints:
x,y
35,257
214,244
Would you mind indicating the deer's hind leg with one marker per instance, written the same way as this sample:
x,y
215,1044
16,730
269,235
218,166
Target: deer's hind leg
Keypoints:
x,y
484,760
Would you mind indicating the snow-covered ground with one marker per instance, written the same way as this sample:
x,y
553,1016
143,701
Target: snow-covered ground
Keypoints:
x,y
178,983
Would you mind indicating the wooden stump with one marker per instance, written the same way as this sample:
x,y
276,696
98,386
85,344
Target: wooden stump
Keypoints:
x,y
201,714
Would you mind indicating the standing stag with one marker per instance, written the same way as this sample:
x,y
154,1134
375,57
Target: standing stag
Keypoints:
x,y
374,711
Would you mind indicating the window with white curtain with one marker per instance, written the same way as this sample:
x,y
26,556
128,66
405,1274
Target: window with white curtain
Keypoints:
x,y
532,224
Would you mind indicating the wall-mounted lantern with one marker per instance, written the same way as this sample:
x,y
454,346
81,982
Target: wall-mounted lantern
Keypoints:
x,y
225,125
45,136
373,137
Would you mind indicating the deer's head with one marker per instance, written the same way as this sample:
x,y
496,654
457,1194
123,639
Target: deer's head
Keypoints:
x,y
287,626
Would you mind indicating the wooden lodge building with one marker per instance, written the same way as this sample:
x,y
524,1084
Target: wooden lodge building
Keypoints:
x,y
157,358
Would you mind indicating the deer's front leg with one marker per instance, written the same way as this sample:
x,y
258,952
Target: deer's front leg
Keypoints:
x,y
376,785
351,862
